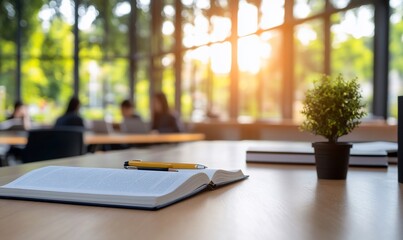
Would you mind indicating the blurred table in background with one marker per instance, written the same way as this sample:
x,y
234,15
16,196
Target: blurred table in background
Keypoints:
x,y
21,139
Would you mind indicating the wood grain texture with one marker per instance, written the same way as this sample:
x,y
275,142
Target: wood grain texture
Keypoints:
x,y
276,202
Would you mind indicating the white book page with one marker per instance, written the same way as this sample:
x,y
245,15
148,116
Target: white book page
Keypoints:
x,y
101,181
219,176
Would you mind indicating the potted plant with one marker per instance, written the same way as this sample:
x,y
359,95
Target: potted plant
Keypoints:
x,y
332,108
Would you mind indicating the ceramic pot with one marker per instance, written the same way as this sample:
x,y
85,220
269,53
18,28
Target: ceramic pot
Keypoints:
x,y
332,159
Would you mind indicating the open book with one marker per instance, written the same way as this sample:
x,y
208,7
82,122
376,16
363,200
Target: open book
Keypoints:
x,y
115,187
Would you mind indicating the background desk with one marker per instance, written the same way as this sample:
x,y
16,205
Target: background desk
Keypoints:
x,y
276,202
20,139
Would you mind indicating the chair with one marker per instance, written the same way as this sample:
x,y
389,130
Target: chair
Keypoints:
x,y
44,144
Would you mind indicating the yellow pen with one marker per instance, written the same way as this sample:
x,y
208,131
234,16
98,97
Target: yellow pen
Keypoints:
x,y
161,165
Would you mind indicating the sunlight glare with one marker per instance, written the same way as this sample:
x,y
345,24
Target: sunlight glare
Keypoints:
x,y
272,13
87,18
357,24
122,9
196,34
397,12
169,11
168,28
221,28
203,4
248,18
167,60
340,3
249,54
66,8
221,58
301,9
306,34
201,54
144,5
187,2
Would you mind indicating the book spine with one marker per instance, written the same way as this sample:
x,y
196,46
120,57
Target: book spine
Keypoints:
x,y
400,139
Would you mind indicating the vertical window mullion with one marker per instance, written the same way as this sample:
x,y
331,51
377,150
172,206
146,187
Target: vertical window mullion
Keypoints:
x,y
288,60
381,58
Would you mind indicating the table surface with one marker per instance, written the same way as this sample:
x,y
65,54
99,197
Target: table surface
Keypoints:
x,y
115,138
275,202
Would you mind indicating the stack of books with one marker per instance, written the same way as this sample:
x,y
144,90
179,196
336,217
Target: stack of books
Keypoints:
x,y
368,154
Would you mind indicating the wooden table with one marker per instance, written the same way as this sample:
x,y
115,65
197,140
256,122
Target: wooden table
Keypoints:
x,y
276,202
21,139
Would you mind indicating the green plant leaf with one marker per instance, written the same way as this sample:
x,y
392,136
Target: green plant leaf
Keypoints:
x,y
333,107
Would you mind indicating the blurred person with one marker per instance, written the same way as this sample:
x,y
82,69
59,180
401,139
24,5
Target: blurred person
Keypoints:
x,y
20,112
163,120
132,122
71,117
18,120
127,110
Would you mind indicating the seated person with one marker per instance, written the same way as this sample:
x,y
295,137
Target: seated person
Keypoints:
x,y
163,120
23,122
71,117
127,110
132,122
20,113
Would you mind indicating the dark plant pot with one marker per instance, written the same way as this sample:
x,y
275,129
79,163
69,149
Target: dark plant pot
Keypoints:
x,y
332,159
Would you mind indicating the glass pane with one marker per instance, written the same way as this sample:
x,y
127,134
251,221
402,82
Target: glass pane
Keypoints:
x,y
168,78
306,8
352,52
47,66
309,58
272,13
204,23
250,50
143,26
247,18
220,22
396,53
7,86
269,89
48,29
220,55
118,28
220,28
195,76
195,26
142,89
103,86
8,27
104,28
46,87
168,26
93,29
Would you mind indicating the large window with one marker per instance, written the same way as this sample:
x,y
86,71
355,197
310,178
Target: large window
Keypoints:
x,y
103,50
309,59
352,48
214,59
8,50
396,53
47,63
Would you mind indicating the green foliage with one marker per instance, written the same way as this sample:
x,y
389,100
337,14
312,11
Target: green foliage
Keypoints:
x,y
358,58
333,107
396,48
47,65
